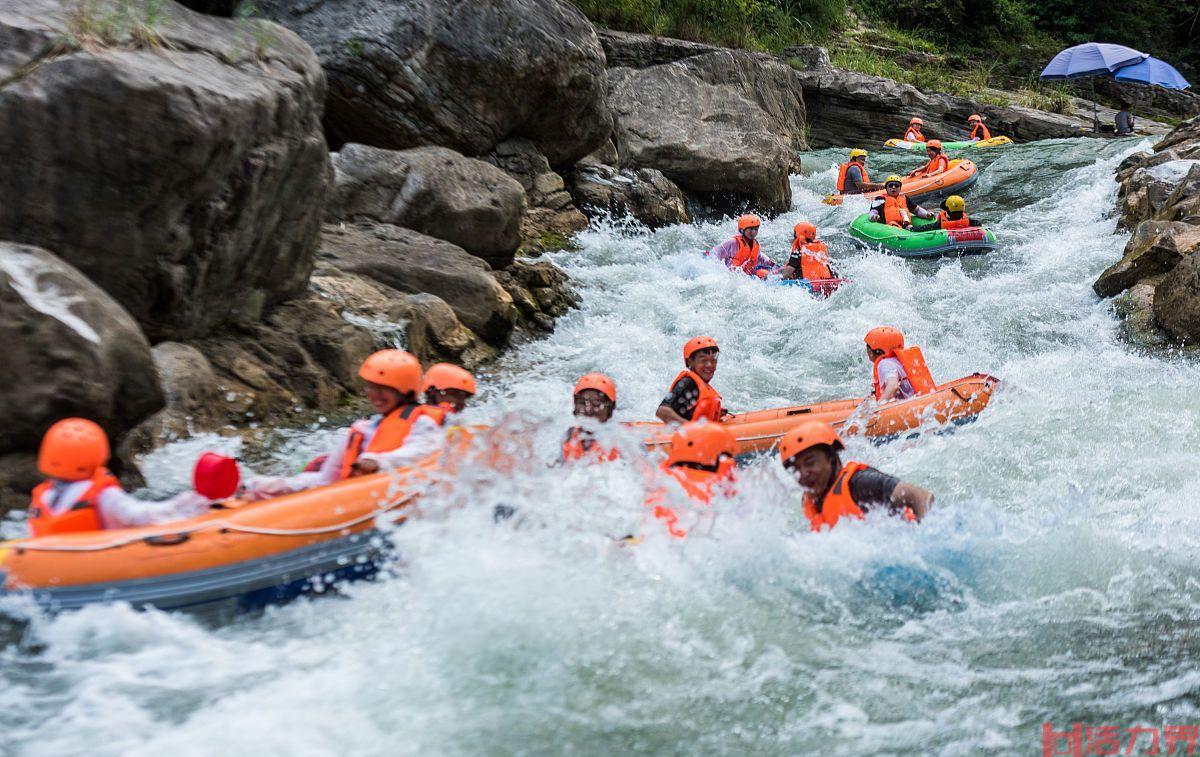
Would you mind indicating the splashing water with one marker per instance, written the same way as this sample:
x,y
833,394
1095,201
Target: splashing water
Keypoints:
x,y
1052,582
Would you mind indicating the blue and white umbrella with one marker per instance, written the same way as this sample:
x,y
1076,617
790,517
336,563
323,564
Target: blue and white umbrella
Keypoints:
x,y
1091,59
1153,71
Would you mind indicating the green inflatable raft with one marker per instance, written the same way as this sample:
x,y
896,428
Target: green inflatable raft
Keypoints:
x,y
979,144
920,241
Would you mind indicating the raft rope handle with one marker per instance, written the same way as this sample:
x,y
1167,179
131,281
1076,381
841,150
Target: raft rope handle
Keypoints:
x,y
225,525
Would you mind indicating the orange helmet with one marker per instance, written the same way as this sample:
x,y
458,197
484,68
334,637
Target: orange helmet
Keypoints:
x,y
805,230
394,368
73,449
748,221
697,343
916,121
806,436
701,442
884,338
600,383
449,376
934,143
974,117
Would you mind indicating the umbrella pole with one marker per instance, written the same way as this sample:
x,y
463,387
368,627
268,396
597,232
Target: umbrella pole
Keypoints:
x,y
1095,118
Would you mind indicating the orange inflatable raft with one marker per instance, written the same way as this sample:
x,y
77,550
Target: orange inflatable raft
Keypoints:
x,y
960,175
955,402
238,556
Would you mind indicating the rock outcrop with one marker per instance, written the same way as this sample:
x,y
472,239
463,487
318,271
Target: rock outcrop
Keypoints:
x,y
646,193
69,349
433,190
176,162
1159,272
551,216
464,75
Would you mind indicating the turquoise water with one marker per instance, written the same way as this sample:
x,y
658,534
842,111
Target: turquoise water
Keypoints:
x,y
1054,580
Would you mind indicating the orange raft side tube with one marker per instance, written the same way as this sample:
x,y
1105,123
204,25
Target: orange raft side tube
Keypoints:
x,y
956,401
237,532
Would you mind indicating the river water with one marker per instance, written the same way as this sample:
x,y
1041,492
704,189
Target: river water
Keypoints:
x,y
1052,583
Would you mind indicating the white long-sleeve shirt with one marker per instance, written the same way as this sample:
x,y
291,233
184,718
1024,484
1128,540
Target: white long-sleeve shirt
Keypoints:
x,y
119,509
424,439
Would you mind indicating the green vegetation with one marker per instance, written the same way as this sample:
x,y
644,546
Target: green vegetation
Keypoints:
x,y
768,25
101,23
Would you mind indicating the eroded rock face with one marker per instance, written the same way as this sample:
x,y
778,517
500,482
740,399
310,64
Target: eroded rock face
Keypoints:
x,y
1155,247
186,180
551,215
433,190
646,194
466,75
413,263
707,138
69,349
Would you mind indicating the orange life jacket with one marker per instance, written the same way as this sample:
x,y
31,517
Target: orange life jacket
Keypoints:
x,y
708,405
579,445
937,164
837,503
699,485
843,168
814,260
949,223
746,257
915,370
83,515
912,135
982,131
895,211
390,434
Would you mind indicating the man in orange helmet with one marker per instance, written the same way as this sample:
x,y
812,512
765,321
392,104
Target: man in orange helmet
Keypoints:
x,y
701,461
79,493
691,397
978,130
938,162
449,387
595,399
913,133
896,208
404,431
833,489
899,372
810,258
743,252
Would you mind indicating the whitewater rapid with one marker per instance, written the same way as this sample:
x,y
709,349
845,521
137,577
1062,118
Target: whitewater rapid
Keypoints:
x,y
1053,582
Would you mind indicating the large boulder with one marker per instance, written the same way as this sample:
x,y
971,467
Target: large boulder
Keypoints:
x,y
183,169
433,190
69,349
646,194
551,216
1155,247
708,138
412,263
466,75
1177,300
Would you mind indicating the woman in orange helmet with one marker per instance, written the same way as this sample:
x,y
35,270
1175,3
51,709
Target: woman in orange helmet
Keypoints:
x,y
404,431
899,372
79,494
913,133
938,162
743,253
701,461
978,130
691,397
595,399
810,258
449,387
833,489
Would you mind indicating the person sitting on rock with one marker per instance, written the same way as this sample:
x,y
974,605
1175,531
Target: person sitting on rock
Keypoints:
x,y
852,175
80,494
1123,121
954,215
938,162
449,387
894,208
913,133
978,130
742,252
691,397
899,372
595,398
834,490
810,258
404,432
701,461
